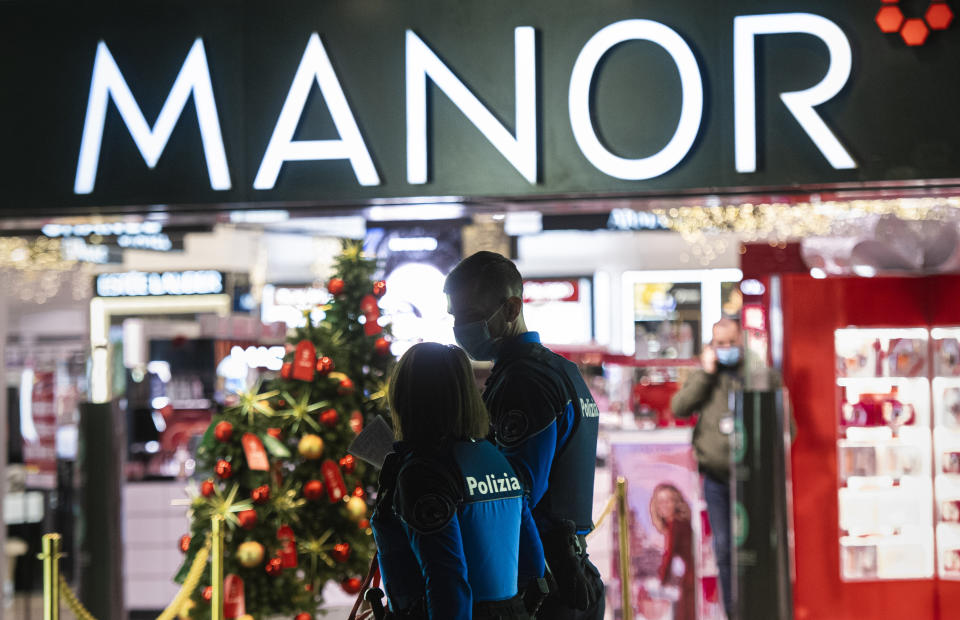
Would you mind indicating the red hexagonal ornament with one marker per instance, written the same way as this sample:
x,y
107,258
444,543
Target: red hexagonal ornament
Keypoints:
x,y
914,32
889,18
939,15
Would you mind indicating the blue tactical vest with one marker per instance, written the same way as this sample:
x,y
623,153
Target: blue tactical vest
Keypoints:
x,y
570,489
471,480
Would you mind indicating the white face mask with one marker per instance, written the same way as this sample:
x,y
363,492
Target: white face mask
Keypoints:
x,y
728,356
475,338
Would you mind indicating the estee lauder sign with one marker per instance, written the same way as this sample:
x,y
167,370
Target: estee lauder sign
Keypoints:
x,y
351,101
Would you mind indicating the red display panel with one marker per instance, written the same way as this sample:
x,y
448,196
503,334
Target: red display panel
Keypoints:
x,y
812,311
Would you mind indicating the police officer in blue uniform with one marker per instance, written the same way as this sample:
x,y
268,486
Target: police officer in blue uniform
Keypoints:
x,y
451,516
543,418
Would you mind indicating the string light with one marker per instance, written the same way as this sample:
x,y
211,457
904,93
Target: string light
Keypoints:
x,y
783,222
36,270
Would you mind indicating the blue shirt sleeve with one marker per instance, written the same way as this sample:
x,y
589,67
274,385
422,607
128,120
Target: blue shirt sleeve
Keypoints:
x,y
533,458
444,567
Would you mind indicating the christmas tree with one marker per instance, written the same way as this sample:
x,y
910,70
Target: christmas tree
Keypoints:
x,y
274,463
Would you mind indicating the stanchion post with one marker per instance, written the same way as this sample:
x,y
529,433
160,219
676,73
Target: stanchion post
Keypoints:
x,y
51,576
216,569
624,538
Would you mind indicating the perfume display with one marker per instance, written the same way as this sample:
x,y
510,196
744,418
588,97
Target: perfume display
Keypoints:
x,y
884,457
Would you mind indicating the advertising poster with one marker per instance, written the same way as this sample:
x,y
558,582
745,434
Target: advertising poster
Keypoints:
x,y
673,571
40,434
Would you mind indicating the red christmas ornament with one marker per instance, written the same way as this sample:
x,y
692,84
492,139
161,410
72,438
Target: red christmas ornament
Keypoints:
x,y
304,361
363,524
255,453
274,432
359,492
348,464
303,616
324,365
335,486
223,431
341,551
368,306
234,599
345,387
288,546
329,417
286,371
313,490
372,327
274,567
381,346
351,585
356,422
247,519
260,495
185,543
379,288
207,593
207,488
335,286
223,469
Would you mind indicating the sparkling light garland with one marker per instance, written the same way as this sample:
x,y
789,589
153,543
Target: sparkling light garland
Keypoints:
x,y
36,270
781,222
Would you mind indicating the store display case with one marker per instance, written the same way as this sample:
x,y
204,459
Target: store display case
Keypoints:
x,y
885,492
946,446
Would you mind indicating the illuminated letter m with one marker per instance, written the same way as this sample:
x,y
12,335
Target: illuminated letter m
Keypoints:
x,y
108,82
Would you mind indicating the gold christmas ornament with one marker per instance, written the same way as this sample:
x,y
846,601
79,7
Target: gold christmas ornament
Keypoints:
x,y
356,508
310,447
250,554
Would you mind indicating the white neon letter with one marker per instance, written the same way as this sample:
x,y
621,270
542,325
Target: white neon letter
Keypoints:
x,y
193,79
801,102
521,151
315,64
691,108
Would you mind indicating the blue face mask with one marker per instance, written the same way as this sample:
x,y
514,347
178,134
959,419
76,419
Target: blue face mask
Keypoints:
x,y
475,338
728,356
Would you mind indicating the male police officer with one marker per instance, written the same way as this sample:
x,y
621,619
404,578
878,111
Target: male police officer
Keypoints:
x,y
543,418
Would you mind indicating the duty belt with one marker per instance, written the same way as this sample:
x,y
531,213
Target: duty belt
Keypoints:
x,y
581,544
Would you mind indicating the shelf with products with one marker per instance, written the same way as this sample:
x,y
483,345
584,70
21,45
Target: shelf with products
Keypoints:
x,y
886,511
884,452
893,458
874,558
945,387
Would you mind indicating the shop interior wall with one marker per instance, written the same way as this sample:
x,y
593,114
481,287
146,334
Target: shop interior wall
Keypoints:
x,y
812,310
606,255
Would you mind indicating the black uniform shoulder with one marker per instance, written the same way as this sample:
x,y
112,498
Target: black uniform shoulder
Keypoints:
x,y
525,396
427,494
